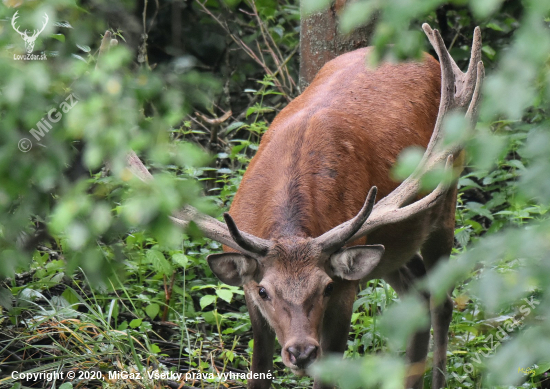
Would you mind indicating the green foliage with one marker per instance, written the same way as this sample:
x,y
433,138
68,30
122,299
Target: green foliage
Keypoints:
x,y
90,262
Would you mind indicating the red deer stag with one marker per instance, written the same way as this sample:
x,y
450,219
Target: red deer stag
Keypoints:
x,y
295,236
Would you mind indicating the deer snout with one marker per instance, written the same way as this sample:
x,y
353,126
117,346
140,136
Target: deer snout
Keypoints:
x,y
302,354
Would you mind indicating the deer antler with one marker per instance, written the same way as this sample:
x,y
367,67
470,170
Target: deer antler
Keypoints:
x,y
13,19
36,33
458,90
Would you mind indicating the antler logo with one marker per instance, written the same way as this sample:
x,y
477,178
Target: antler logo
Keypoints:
x,y
29,40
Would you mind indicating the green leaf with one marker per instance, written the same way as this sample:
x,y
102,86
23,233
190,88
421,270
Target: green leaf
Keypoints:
x,y
84,48
66,385
152,310
59,37
159,262
225,294
489,51
135,323
180,259
542,368
465,182
207,300
279,31
212,317
6,298
234,126
154,348
257,108
479,209
113,310
494,26
63,24
79,58
69,295
516,163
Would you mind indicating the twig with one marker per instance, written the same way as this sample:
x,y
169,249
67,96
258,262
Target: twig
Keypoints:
x,y
217,121
455,38
104,47
142,49
246,48
106,43
168,294
52,253
154,16
255,98
265,33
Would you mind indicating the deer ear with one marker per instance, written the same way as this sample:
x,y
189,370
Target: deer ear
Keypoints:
x,y
355,263
232,268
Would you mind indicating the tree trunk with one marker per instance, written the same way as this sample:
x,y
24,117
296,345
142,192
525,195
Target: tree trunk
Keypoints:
x,y
321,40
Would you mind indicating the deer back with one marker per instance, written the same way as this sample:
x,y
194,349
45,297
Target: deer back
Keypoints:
x,y
341,136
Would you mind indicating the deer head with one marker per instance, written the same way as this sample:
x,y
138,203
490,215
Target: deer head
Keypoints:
x,y
291,280
29,40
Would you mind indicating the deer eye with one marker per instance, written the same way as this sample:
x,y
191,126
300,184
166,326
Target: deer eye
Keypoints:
x,y
329,288
263,293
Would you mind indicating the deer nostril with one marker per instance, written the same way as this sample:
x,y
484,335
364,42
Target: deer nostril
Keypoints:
x,y
310,353
302,356
293,354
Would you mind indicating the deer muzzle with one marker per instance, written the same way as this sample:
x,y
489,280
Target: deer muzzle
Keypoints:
x,y
298,354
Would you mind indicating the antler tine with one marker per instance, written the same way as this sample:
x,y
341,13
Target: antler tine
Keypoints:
x,y
335,238
37,32
458,90
448,86
464,82
471,79
13,19
248,242
103,48
471,114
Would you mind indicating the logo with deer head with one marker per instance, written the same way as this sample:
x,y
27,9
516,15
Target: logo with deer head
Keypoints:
x,y
29,40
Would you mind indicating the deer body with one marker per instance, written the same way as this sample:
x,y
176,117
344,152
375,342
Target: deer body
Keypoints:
x,y
330,145
295,236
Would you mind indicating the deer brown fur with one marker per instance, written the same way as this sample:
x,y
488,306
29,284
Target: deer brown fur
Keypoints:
x,y
330,145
